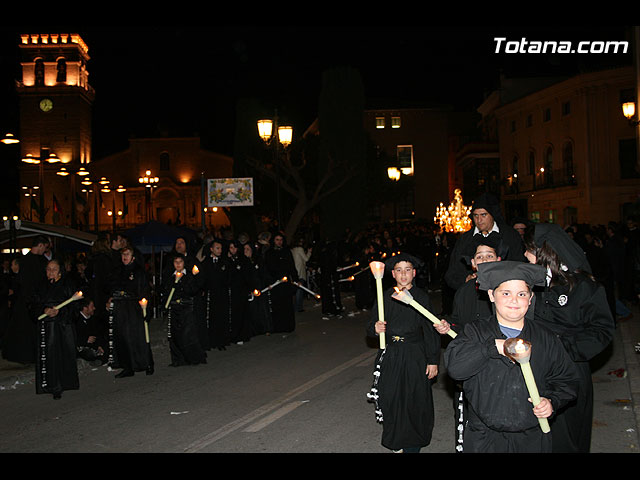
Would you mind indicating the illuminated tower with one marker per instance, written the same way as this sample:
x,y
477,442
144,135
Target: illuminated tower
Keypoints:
x,y
55,101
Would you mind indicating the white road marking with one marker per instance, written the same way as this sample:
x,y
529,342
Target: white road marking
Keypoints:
x,y
264,410
269,419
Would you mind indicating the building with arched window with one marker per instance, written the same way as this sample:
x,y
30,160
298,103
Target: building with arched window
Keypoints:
x,y
580,151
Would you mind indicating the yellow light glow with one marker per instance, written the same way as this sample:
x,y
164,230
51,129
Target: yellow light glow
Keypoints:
x,y
393,173
454,218
29,158
265,127
285,135
53,158
62,172
629,109
9,139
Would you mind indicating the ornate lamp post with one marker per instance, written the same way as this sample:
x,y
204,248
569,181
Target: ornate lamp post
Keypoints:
x,y
266,129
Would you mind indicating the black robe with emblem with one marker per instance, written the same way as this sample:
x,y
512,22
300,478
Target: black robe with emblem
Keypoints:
x,y
501,418
239,291
129,349
279,263
184,339
56,367
581,318
215,273
259,307
404,390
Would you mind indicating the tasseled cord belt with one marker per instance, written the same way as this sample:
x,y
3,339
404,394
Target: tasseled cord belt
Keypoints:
x,y
372,396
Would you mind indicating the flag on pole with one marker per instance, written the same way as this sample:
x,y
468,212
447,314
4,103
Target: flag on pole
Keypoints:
x,y
57,210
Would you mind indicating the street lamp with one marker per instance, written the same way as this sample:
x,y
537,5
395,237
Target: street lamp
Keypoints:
x,y
629,110
150,183
284,136
9,139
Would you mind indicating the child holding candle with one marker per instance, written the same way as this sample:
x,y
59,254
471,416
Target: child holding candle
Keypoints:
x,y
408,364
501,416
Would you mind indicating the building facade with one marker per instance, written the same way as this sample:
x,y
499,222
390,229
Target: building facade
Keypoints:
x,y
567,154
421,143
155,179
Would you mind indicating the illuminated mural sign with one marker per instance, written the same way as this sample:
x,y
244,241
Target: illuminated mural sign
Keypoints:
x,y
230,192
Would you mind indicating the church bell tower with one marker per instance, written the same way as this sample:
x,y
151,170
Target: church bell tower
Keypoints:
x,y
55,103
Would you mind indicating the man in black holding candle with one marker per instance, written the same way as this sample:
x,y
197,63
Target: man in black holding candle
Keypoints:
x,y
406,367
501,417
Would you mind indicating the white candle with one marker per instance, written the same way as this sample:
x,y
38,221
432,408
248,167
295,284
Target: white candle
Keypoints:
x,y
377,269
178,275
73,298
405,297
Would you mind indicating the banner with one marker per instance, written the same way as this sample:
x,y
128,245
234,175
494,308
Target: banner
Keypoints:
x,y
230,192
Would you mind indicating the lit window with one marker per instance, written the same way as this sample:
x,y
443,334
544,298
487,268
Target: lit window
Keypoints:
x,y
405,158
395,122
379,122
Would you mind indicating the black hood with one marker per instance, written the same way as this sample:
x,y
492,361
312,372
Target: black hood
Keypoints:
x,y
570,253
491,204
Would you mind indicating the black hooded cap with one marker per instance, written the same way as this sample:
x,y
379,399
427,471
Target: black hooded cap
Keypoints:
x,y
492,274
569,251
491,204
391,262
492,240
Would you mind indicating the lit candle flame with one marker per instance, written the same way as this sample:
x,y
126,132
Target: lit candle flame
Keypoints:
x,y
195,270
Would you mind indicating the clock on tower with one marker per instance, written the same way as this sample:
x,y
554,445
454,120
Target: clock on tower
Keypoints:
x,y
55,102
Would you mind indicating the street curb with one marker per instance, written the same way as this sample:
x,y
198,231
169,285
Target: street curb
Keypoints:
x,y
630,336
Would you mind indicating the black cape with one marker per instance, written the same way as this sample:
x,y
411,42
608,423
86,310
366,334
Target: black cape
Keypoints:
x,y
500,417
184,340
404,390
56,367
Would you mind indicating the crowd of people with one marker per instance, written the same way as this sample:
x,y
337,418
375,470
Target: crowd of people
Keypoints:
x,y
220,289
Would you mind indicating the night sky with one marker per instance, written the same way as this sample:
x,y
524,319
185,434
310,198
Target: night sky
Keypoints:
x,y
185,80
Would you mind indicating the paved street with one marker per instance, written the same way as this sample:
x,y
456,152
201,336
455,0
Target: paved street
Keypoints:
x,y
299,393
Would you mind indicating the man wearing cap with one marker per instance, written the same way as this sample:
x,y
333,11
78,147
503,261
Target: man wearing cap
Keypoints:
x,y
488,221
406,367
501,417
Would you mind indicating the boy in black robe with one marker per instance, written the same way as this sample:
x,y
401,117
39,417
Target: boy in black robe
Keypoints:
x,y
406,367
470,303
501,417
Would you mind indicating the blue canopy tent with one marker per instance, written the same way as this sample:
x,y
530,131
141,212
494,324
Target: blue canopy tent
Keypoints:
x,y
154,236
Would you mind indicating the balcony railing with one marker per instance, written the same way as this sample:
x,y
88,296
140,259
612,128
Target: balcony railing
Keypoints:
x,y
540,181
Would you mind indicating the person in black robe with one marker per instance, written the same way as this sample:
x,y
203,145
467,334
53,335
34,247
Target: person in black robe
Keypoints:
x,y
258,305
501,416
279,264
239,291
330,279
129,348
470,304
215,270
100,270
20,342
364,282
406,366
56,367
573,305
6,279
184,341
487,218
91,344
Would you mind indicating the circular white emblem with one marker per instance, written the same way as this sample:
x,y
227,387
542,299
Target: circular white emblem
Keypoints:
x,y
562,300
